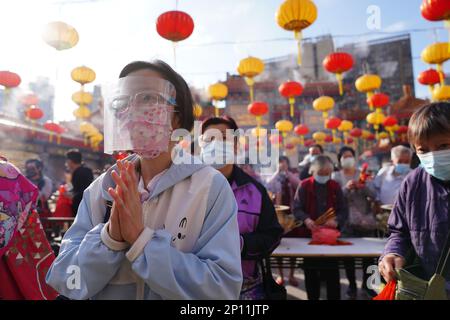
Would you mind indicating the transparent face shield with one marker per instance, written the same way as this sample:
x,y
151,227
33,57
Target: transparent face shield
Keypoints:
x,y
138,115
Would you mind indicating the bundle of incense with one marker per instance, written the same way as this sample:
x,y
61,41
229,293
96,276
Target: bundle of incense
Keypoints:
x,y
328,215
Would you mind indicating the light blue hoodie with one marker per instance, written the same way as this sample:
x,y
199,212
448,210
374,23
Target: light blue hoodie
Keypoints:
x,y
211,270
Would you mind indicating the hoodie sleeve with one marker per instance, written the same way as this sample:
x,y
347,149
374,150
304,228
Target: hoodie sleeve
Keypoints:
x,y
266,238
212,270
85,264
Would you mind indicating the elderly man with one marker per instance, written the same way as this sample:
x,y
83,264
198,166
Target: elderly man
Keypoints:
x,y
388,180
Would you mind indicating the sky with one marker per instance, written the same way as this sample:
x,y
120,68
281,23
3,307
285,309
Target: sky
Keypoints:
x,y
115,32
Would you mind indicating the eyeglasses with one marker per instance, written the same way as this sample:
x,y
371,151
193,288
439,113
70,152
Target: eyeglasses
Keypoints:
x,y
122,103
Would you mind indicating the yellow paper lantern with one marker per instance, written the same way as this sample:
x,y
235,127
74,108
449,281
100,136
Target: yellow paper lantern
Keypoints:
x,y
337,140
83,75
441,93
249,68
437,53
323,104
60,35
319,136
383,135
82,112
365,134
367,84
345,126
217,92
375,119
82,98
284,126
198,111
296,15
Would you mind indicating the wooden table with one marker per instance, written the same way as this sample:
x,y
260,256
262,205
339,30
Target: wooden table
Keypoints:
x,y
292,251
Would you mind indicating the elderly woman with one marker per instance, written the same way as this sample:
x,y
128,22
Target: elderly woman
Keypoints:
x,y
315,196
388,180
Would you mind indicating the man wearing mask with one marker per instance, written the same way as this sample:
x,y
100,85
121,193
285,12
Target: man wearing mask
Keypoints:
x,y
33,171
314,151
82,177
388,180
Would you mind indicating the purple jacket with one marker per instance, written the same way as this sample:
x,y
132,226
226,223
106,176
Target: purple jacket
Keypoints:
x,y
258,223
420,218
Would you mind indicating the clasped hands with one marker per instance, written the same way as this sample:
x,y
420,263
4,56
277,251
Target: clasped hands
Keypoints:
x,y
125,222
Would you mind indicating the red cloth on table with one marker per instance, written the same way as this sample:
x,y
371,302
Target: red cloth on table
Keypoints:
x,y
327,236
388,293
25,263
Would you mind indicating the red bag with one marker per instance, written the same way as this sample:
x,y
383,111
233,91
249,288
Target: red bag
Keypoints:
x,y
388,293
328,236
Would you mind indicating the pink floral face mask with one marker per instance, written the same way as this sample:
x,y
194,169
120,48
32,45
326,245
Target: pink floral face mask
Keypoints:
x,y
141,121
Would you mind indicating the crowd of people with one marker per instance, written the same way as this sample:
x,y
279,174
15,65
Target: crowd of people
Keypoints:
x,y
148,228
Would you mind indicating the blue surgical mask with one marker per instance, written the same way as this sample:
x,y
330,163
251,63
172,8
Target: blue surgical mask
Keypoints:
x,y
437,164
321,179
402,168
218,153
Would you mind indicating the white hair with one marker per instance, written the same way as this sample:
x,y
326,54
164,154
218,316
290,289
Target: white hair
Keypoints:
x,y
397,151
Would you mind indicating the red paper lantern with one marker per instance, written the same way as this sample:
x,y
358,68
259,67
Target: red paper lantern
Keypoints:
x,y
34,113
301,130
290,90
349,140
402,130
258,108
175,25
333,123
338,63
9,79
54,127
435,10
429,77
309,143
328,139
378,100
356,133
370,137
390,121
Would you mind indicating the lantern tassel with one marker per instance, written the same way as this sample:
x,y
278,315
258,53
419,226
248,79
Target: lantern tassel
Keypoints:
x,y
302,140
258,123
369,95
447,25
298,36
441,73
216,110
341,86
58,139
50,137
292,103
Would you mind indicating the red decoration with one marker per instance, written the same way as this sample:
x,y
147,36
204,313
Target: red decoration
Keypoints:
x,y
390,121
34,113
301,130
402,130
290,90
175,25
338,63
309,143
258,108
370,137
328,139
349,140
356,133
333,123
274,140
9,79
435,10
378,100
54,127
388,292
290,146
429,77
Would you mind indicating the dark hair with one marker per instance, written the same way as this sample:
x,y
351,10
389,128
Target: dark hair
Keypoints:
x,y
38,163
185,104
284,158
74,155
431,120
317,146
226,120
342,151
